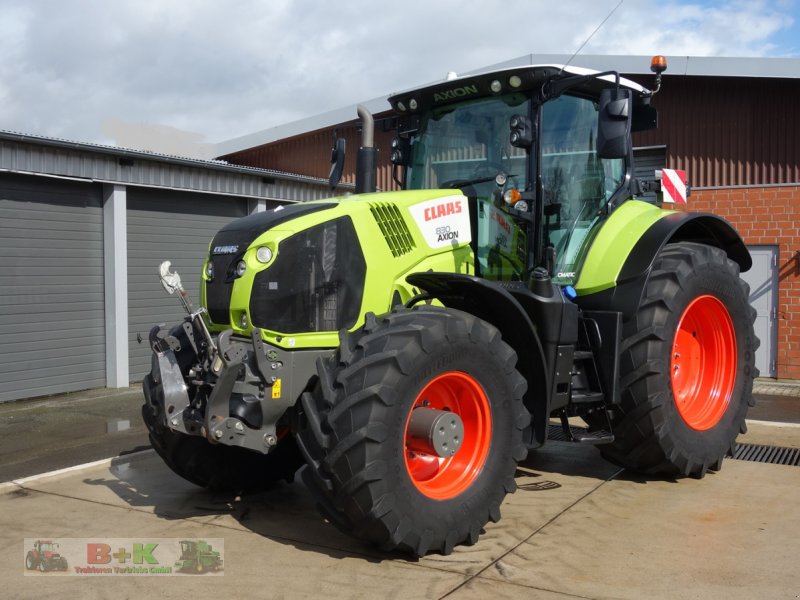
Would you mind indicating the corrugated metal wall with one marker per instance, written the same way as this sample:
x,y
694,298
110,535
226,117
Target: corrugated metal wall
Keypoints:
x,y
727,131
310,154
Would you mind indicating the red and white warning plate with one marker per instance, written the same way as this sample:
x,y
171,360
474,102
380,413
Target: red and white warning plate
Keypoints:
x,y
673,186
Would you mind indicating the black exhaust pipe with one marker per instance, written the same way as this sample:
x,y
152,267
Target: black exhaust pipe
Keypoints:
x,y
367,157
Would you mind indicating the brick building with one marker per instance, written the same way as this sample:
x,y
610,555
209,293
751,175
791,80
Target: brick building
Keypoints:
x,y
731,123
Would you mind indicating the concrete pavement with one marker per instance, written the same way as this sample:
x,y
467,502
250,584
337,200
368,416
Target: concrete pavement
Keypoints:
x,y
578,527
45,434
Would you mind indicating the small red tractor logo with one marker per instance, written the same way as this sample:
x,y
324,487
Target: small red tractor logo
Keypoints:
x,y
45,557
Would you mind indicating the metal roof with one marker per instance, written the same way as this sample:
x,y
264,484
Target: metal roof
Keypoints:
x,y
39,155
630,65
217,164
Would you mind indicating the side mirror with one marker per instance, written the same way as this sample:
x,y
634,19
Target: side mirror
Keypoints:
x,y
337,162
614,123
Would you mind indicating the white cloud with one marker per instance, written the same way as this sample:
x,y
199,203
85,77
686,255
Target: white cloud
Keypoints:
x,y
228,69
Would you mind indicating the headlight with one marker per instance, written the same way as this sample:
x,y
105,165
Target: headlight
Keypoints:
x,y
264,255
209,271
241,267
243,321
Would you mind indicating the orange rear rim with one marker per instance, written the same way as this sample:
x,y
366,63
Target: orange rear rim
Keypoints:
x,y
443,478
703,363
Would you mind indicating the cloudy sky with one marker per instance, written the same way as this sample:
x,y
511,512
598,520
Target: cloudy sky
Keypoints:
x,y
128,71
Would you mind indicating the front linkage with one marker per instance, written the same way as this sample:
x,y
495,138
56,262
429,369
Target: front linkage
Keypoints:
x,y
228,389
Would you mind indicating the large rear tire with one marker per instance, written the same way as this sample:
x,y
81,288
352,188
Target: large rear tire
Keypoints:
x,y
687,366
218,467
371,473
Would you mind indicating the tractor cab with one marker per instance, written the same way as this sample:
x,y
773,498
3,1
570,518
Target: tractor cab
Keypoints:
x,y
542,152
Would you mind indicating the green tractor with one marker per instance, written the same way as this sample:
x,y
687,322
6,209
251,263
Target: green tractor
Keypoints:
x,y
198,557
409,348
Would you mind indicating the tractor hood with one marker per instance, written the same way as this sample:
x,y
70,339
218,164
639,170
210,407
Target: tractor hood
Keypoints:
x,y
231,242
239,234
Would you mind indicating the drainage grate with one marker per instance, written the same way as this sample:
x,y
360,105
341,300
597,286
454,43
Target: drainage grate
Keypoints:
x,y
774,455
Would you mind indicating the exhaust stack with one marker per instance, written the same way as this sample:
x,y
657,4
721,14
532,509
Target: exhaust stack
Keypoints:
x,y
367,157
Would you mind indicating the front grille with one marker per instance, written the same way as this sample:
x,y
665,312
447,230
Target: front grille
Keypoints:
x,y
316,282
241,233
219,289
393,227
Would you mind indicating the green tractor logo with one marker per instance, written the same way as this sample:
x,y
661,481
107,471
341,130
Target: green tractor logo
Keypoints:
x,y
198,557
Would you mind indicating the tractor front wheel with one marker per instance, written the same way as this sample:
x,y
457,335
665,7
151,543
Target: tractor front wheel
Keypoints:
x,y
687,365
415,430
218,467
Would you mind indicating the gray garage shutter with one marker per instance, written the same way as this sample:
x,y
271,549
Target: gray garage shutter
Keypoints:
x,y
174,226
52,330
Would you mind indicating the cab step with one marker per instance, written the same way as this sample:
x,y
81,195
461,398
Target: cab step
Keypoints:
x,y
580,435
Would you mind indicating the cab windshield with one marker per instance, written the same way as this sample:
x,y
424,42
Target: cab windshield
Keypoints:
x,y
467,143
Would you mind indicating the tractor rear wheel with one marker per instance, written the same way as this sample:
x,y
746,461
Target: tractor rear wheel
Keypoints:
x,y
218,467
30,561
687,365
415,429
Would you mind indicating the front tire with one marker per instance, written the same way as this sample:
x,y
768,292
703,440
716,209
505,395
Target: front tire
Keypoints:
x,y
687,366
370,471
218,467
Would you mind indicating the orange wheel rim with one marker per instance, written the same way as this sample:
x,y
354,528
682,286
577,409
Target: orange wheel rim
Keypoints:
x,y
443,478
703,363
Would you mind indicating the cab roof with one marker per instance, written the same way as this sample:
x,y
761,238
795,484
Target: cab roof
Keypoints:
x,y
503,81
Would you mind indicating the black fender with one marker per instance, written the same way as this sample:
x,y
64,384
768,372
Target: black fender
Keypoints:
x,y
489,301
701,228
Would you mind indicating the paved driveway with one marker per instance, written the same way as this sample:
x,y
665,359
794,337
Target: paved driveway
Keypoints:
x,y
578,527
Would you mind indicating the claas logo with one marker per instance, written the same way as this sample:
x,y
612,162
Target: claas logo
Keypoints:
x,y
442,210
101,554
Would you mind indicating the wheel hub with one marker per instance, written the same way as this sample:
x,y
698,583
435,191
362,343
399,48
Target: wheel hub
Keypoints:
x,y
442,464
433,431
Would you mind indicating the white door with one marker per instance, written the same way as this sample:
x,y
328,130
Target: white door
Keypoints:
x,y
763,281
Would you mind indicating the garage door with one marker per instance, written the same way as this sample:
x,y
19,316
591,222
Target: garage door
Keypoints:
x,y
51,287
170,226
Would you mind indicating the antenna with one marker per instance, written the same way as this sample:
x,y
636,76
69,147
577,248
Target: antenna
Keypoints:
x,y
591,35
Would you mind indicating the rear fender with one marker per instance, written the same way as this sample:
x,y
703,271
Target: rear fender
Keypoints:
x,y
618,282
493,304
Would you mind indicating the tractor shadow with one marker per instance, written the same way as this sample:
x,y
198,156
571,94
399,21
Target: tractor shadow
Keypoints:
x,y
568,459
284,513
